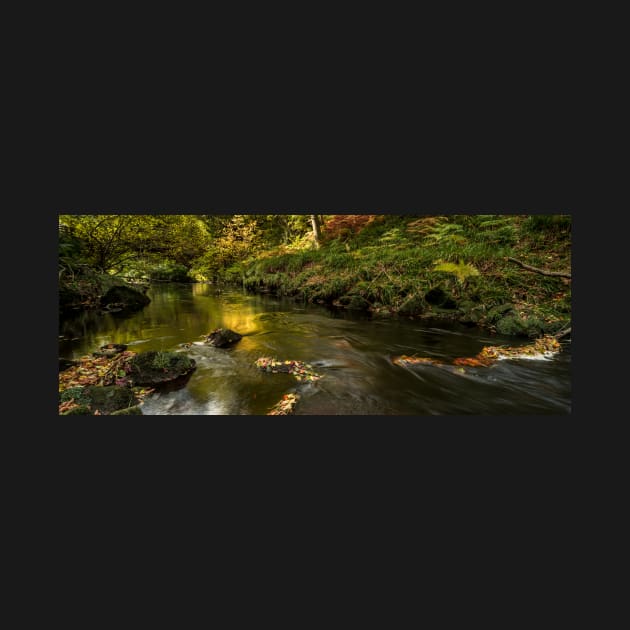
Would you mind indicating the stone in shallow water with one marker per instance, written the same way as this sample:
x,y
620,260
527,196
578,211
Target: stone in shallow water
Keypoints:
x,y
110,398
155,369
110,350
222,337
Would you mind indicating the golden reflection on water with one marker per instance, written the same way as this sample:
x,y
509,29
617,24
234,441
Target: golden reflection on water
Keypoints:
x,y
176,314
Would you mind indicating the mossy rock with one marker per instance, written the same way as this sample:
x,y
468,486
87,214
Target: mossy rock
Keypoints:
x,y
223,337
110,350
412,306
153,369
497,312
131,299
80,395
129,411
83,410
110,398
354,302
472,316
514,325
106,399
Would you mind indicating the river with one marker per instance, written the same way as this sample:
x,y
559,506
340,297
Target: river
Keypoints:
x,y
352,352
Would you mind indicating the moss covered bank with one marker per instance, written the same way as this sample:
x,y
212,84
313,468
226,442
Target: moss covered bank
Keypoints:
x,y
508,273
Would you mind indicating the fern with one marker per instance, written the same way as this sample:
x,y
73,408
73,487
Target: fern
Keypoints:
x,y
461,270
497,229
444,231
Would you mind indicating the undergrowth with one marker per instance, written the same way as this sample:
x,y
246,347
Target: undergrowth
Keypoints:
x,y
388,264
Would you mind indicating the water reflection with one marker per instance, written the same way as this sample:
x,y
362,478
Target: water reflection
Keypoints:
x,y
352,351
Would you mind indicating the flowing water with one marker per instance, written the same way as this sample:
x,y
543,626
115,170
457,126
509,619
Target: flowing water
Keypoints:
x,y
352,352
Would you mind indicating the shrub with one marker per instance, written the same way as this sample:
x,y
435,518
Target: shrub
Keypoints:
x,y
547,222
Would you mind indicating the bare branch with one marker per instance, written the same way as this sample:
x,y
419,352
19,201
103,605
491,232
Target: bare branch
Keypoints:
x,y
563,333
558,274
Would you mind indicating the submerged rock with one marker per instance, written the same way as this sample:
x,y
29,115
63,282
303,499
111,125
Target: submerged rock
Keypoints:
x,y
155,369
222,337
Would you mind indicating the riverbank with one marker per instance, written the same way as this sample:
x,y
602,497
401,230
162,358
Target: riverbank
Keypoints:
x,y
85,289
509,274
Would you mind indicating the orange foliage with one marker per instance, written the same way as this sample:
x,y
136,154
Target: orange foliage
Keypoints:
x,y
470,361
342,224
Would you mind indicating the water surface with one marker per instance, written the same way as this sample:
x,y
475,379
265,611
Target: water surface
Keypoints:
x,y
351,350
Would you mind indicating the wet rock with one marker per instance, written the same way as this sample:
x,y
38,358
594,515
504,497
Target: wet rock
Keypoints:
x,y
472,314
83,410
124,298
110,398
497,312
514,325
105,399
222,337
129,411
353,302
110,350
156,369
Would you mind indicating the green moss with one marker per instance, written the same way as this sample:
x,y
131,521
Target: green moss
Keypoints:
x,y
498,312
129,411
83,410
80,395
389,266
152,368
355,302
110,398
412,306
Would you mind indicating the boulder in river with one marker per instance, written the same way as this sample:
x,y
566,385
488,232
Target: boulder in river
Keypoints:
x,y
155,369
222,337
104,399
124,298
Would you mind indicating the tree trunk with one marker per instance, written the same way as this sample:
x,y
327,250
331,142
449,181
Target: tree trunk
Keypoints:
x,y
317,232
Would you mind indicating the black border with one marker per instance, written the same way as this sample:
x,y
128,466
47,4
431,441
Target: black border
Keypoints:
x,y
382,438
